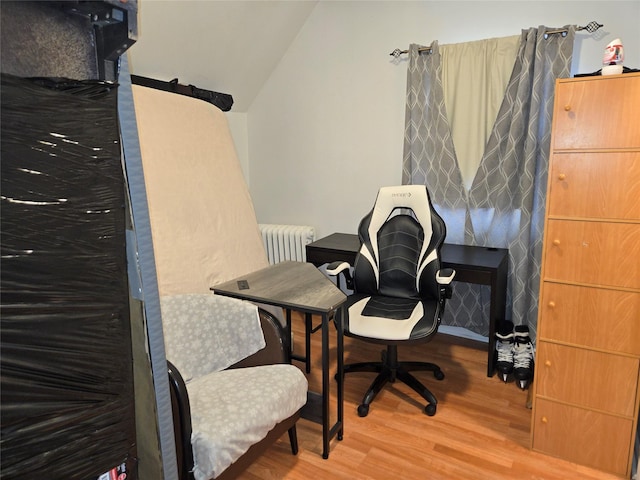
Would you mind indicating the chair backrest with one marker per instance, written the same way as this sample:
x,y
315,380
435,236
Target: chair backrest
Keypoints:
x,y
400,245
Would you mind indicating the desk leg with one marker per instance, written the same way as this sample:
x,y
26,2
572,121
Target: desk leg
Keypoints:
x,y
497,311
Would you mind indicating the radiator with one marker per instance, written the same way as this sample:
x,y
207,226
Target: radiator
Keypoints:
x,y
286,242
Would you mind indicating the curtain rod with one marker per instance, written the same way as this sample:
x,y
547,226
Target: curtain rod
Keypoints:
x,y
223,101
590,27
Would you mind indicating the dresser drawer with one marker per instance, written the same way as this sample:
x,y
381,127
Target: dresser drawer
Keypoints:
x,y
583,436
597,185
592,317
585,117
599,253
581,377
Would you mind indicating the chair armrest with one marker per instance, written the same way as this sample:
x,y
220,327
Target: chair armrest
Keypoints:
x,y
445,276
181,422
275,351
336,268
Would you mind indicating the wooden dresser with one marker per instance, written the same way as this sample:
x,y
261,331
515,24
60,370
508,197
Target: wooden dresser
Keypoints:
x,y
586,391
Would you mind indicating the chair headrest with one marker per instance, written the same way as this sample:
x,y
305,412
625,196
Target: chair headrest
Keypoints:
x,y
413,197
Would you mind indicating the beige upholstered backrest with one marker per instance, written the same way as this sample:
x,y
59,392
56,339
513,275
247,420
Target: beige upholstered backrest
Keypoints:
x,y
203,223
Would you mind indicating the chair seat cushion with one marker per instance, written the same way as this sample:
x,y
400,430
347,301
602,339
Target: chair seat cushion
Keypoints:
x,y
233,409
390,318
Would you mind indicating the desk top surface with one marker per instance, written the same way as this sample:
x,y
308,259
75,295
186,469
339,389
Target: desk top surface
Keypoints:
x,y
296,285
452,255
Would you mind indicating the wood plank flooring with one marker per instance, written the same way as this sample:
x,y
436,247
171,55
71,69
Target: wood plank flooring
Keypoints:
x,y
480,431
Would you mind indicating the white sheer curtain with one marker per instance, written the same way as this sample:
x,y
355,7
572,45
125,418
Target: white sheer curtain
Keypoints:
x,y
503,204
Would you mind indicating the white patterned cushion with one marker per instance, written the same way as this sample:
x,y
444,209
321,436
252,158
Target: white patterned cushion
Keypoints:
x,y
234,409
205,333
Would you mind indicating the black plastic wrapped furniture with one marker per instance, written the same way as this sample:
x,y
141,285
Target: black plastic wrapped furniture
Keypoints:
x,y
65,365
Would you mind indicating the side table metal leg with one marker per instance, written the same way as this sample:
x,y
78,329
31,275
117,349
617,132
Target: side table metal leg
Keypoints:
x,y
325,387
340,375
308,327
288,330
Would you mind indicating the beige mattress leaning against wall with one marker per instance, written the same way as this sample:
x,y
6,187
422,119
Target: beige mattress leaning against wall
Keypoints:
x,y
203,222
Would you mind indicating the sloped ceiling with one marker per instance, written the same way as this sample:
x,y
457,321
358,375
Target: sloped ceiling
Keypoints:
x,y
225,46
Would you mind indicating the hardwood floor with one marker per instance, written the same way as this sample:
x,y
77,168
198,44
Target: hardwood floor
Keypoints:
x,y
480,431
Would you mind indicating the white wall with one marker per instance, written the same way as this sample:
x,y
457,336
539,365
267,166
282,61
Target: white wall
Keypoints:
x,y
326,130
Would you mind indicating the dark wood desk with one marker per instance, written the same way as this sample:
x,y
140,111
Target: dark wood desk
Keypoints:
x,y
479,265
302,287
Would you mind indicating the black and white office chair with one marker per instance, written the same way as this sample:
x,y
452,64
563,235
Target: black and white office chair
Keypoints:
x,y
399,289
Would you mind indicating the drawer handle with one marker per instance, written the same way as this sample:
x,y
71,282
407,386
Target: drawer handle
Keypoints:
x,y
552,304
547,363
567,108
556,242
544,420
561,177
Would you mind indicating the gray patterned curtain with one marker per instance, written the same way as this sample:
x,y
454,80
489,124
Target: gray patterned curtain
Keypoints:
x,y
505,206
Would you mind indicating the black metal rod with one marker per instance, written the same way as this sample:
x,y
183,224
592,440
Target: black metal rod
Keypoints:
x,y
590,27
397,52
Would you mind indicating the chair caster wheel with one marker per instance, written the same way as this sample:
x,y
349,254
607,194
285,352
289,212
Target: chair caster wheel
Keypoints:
x,y
438,374
430,409
363,410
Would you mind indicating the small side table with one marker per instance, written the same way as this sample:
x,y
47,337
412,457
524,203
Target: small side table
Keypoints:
x,y
301,286
479,265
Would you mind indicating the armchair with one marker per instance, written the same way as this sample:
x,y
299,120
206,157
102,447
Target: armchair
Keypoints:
x,y
205,232
233,391
399,289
